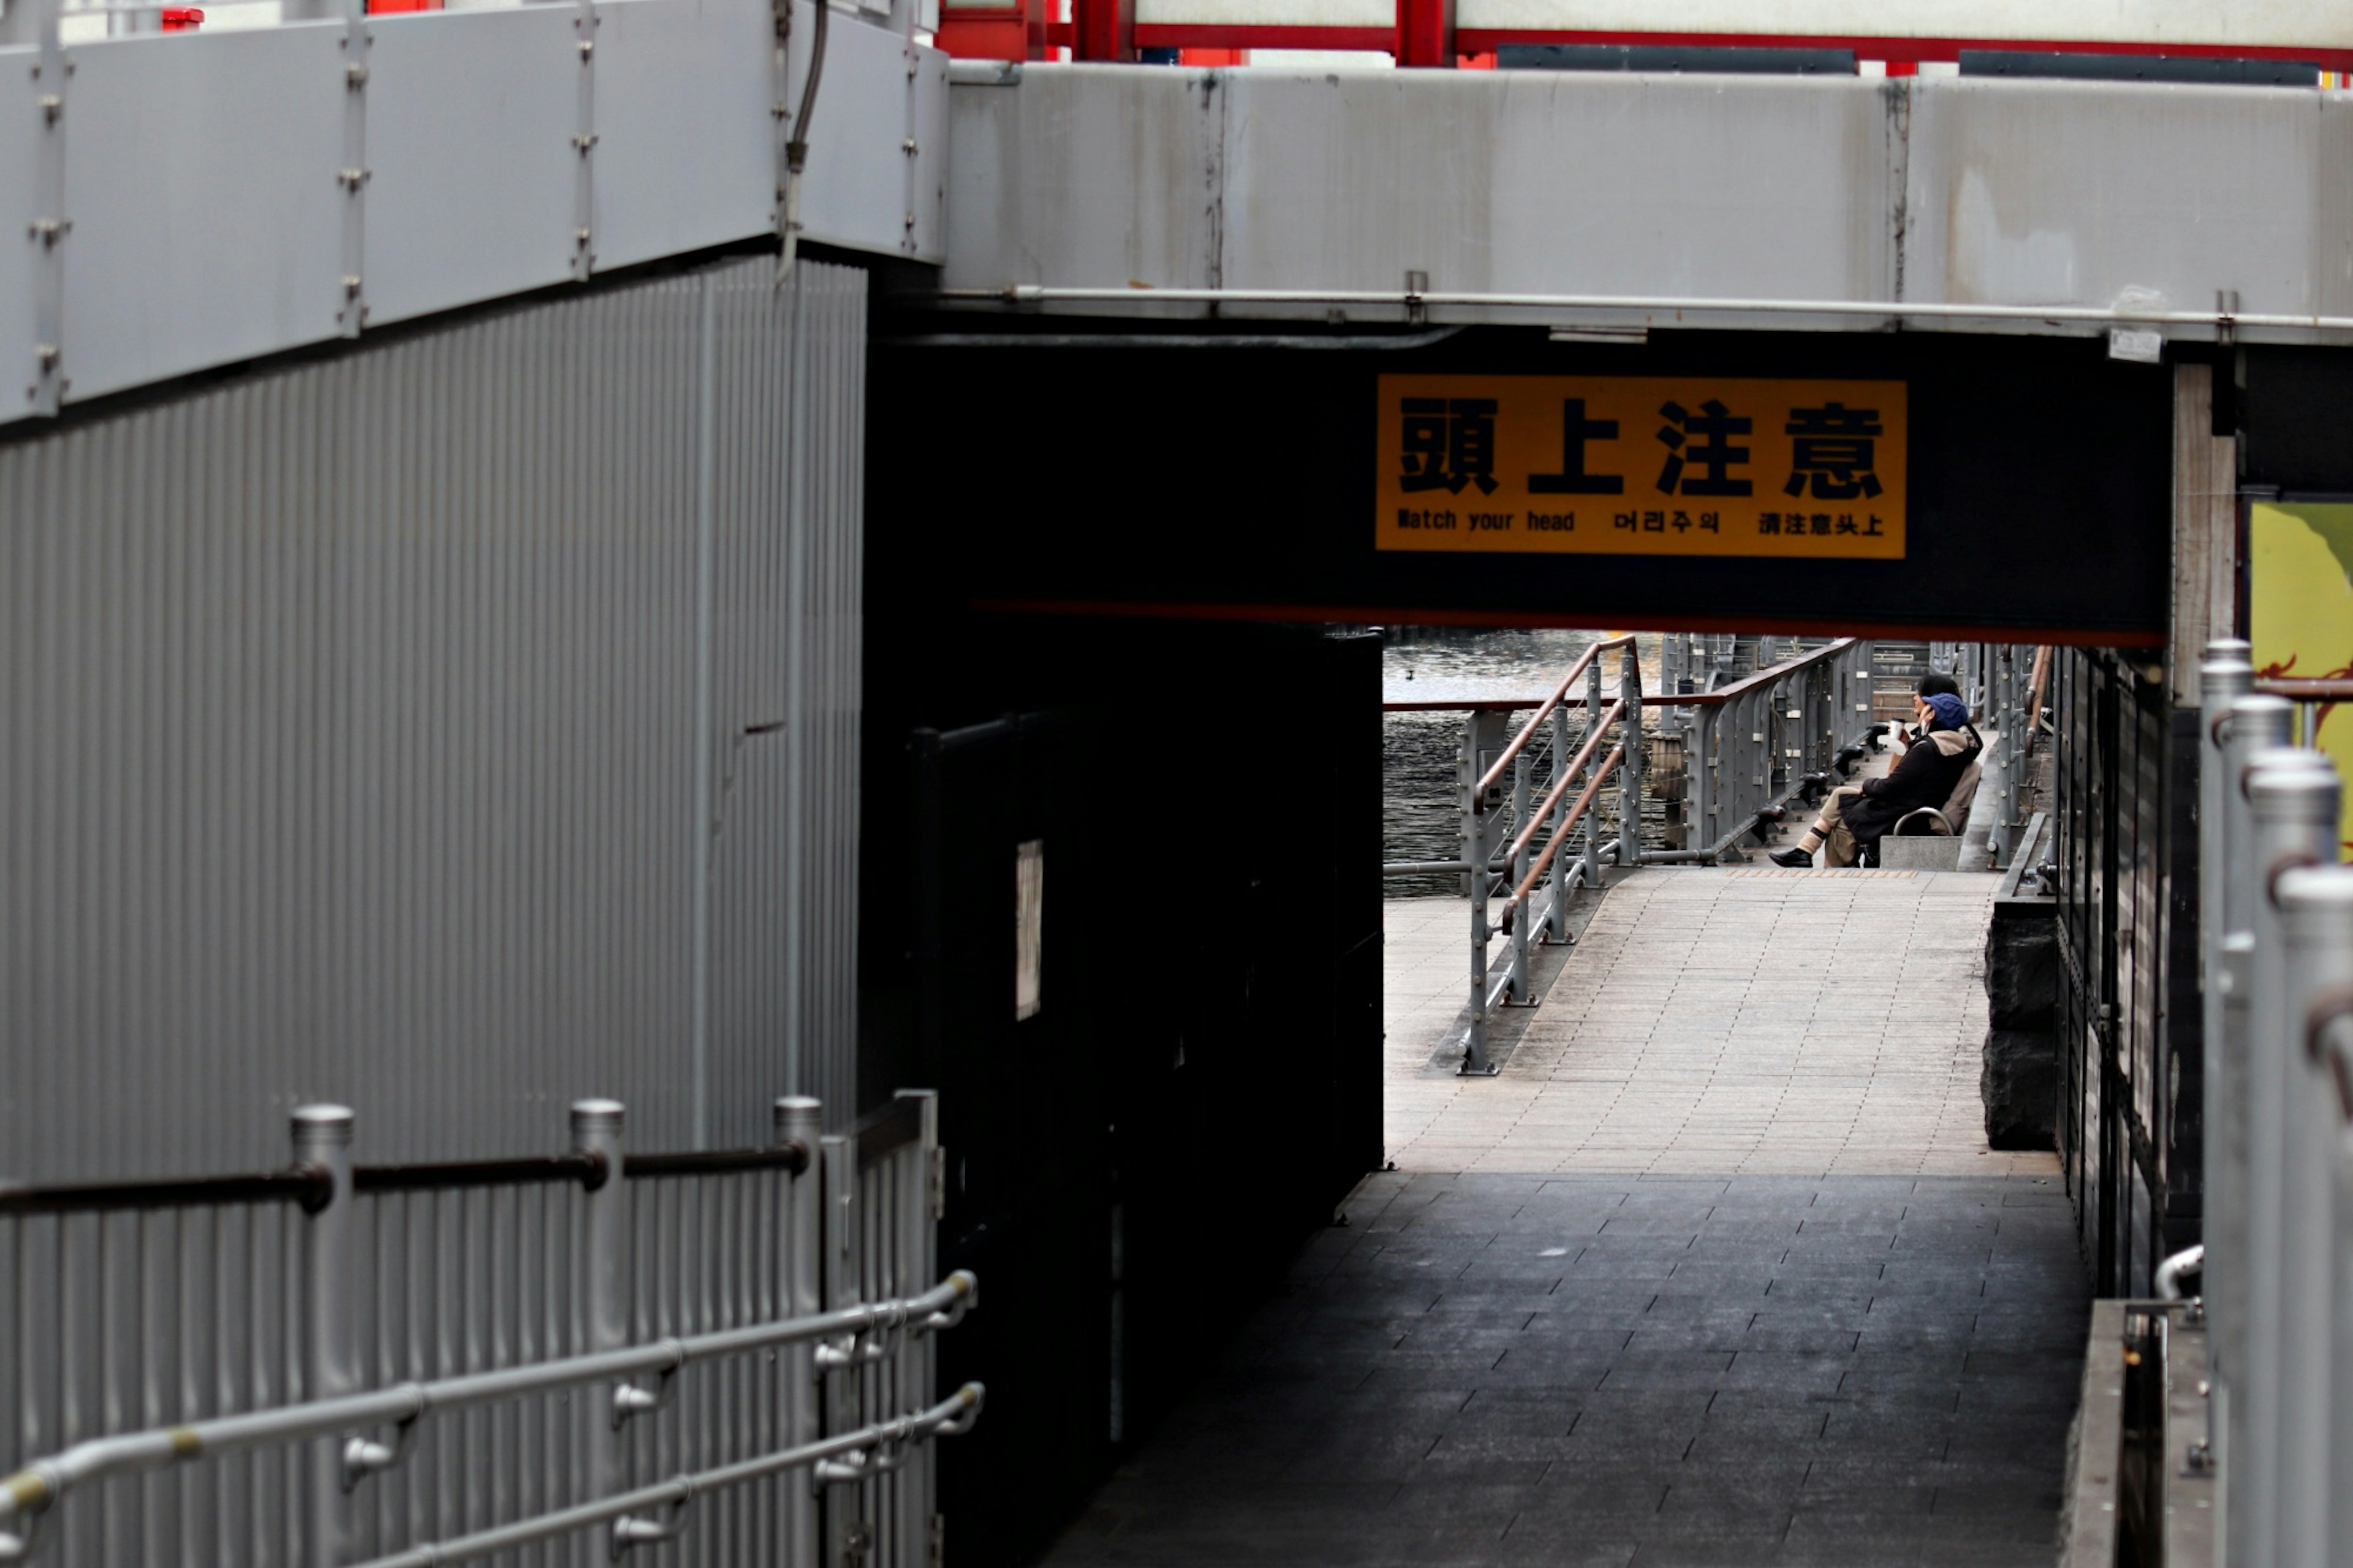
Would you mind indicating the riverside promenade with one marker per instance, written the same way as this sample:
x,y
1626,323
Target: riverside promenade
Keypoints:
x,y
1717,1270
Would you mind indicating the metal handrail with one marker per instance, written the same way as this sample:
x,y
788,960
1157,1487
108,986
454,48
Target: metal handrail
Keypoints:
x,y
2306,689
952,1416
1529,883
33,1489
1825,654
1495,775
1715,699
309,1186
1543,808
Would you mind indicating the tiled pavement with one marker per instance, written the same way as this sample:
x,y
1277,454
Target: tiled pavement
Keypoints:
x,y
1733,1019
1590,1369
1717,1272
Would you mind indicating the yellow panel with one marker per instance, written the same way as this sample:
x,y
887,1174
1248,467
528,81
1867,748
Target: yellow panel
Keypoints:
x,y
1641,466
2300,611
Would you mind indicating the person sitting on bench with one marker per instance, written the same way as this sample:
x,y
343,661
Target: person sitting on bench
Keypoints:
x,y
1859,815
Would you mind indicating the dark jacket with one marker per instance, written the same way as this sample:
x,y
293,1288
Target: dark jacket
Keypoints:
x,y
1924,776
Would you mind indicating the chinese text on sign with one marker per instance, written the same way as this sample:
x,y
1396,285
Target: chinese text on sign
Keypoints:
x,y
1642,466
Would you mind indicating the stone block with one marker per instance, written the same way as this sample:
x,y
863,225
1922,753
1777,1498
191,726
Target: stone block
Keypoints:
x,y
2019,1086
1920,852
2024,977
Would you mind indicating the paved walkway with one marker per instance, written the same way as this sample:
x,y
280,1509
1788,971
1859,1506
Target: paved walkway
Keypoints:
x,y
1718,1271
1841,1371
1734,1020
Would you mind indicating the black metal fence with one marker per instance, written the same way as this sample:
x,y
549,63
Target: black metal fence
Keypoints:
x,y
2125,858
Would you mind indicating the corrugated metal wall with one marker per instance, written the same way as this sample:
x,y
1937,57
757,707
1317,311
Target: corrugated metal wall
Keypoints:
x,y
453,728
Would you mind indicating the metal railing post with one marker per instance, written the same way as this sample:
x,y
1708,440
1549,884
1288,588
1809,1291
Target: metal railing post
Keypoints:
x,y
2253,724
2292,797
1474,879
1556,912
1755,767
843,1539
1474,1046
597,1126
2316,921
2224,678
1629,772
796,1119
1592,863
322,1140
1699,778
922,1195
1519,871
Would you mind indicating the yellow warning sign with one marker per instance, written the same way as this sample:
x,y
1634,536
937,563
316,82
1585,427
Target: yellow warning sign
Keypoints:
x,y
1642,466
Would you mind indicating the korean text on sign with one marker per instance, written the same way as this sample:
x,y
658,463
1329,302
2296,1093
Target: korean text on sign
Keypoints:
x,y
1642,466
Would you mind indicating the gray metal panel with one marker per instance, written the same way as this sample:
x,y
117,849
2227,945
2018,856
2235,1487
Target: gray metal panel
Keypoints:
x,y
854,190
2043,193
1088,174
675,86
1939,192
353,747
930,164
207,220
1541,181
20,200
449,223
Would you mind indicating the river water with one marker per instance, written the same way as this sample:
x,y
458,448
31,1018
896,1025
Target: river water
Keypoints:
x,y
1421,818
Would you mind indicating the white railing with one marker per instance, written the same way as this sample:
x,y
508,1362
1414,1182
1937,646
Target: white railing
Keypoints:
x,y
2276,945
336,1365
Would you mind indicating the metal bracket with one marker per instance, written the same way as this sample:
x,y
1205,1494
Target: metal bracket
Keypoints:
x,y
363,1457
629,1399
352,312
849,1350
52,70
584,140
849,1467
631,1531
953,1316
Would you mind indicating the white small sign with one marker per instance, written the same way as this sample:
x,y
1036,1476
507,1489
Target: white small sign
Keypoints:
x,y
2142,345
1028,925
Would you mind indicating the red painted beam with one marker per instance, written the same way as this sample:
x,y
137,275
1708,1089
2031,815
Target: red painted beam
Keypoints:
x,y
1397,614
1478,40
1485,40
1206,36
1425,33
1102,29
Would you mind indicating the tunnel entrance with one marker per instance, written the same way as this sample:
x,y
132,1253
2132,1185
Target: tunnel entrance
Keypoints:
x,y
1124,620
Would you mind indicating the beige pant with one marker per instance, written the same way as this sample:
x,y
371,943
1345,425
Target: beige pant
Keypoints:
x,y
1839,845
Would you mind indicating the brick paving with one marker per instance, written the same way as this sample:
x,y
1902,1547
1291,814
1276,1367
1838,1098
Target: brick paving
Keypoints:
x,y
1718,1271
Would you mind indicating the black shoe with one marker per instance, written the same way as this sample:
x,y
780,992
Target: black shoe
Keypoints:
x,y
1793,856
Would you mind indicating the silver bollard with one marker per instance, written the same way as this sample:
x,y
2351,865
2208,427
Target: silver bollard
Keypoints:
x,y
2315,919
800,1120
2292,797
597,1126
2249,725
322,1142
2225,677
